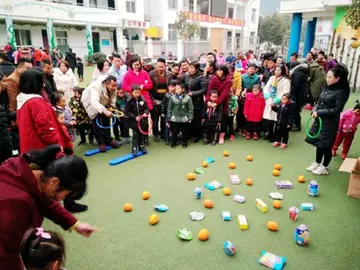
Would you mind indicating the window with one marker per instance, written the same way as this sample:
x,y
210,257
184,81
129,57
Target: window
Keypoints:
x,y
253,15
93,3
172,33
61,38
252,37
231,13
23,37
191,5
229,34
203,33
173,4
131,6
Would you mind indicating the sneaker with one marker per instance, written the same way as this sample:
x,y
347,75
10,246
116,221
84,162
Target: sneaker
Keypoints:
x,y
114,144
206,142
248,136
232,138
102,148
127,140
167,141
134,150
157,138
283,145
313,166
343,156
321,170
142,148
333,152
81,143
255,136
276,144
118,139
76,207
213,143
184,146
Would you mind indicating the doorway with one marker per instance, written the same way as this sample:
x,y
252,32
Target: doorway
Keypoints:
x,y
45,39
96,42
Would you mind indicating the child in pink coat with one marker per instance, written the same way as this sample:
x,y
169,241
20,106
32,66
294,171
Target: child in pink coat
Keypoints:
x,y
253,112
347,128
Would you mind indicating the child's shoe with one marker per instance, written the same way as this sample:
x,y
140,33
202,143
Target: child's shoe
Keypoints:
x,y
232,138
142,148
276,144
343,156
114,144
255,136
81,143
248,136
321,170
102,148
313,166
184,145
242,132
333,152
283,146
221,138
134,150
167,141
213,143
206,141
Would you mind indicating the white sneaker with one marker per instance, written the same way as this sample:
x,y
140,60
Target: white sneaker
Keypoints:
x,y
313,166
321,170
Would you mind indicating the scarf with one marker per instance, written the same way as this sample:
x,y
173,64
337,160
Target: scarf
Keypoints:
x,y
274,86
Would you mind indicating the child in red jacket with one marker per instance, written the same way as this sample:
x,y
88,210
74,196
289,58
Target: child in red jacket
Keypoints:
x,y
253,111
68,144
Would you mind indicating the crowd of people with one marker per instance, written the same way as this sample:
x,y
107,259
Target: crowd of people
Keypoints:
x,y
211,99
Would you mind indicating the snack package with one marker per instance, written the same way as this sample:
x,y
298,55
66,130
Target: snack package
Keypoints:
x,y
198,193
213,185
229,248
239,198
271,260
210,160
235,179
226,216
261,205
184,234
161,207
307,206
313,188
197,215
199,171
276,196
242,222
283,184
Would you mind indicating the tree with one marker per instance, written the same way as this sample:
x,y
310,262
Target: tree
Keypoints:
x,y
352,16
185,28
273,29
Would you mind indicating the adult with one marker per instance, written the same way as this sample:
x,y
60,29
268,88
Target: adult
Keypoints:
x,y
50,85
102,68
30,187
184,67
128,57
12,82
6,146
6,68
195,87
38,55
331,103
299,90
332,62
211,57
317,79
160,79
118,69
97,99
148,65
222,83
309,58
70,57
277,86
65,80
231,58
175,71
270,70
210,70
279,60
321,60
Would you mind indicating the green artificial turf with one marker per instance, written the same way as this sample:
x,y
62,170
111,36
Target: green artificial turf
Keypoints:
x,y
128,241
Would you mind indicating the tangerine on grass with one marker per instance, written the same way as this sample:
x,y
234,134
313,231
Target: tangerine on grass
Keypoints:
x,y
127,207
203,235
272,226
153,219
277,204
146,195
276,173
249,158
232,165
204,164
301,179
277,167
226,191
249,182
226,153
208,204
191,176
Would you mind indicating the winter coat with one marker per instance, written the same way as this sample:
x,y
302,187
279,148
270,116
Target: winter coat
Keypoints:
x,y
38,125
329,106
71,59
68,118
267,75
213,116
80,68
299,84
180,109
135,108
79,112
223,88
50,85
6,68
165,103
121,102
349,121
65,82
323,64
6,146
23,206
12,89
142,78
249,81
236,83
233,105
285,114
283,87
96,99
197,85
155,94
254,107
317,79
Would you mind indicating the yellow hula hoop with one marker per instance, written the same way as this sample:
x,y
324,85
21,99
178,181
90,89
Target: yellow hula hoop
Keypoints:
x,y
117,113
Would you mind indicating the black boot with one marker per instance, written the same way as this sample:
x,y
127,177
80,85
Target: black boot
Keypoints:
x,y
74,207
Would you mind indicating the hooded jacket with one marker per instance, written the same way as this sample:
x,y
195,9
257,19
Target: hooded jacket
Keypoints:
x,y
317,79
23,206
65,81
299,84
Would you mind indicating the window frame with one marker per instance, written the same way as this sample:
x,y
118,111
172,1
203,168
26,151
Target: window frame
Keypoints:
x,y
172,32
61,40
201,33
232,13
20,39
253,15
130,6
175,7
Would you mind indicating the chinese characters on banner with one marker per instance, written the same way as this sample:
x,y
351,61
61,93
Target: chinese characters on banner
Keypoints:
x,y
206,18
134,24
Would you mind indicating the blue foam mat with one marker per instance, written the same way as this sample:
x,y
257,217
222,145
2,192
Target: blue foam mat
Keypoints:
x,y
97,151
122,159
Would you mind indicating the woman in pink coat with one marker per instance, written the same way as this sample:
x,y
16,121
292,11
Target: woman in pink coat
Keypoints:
x,y
136,75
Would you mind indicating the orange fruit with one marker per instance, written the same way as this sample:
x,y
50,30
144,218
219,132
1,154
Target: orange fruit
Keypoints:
x,y
226,191
203,235
277,204
249,158
301,179
226,153
272,226
232,165
127,207
276,173
146,195
191,176
153,219
204,164
249,182
208,204
277,167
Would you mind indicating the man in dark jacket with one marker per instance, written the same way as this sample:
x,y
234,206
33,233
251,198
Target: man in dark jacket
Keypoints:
x,y
5,139
6,68
270,70
71,59
160,79
299,90
50,86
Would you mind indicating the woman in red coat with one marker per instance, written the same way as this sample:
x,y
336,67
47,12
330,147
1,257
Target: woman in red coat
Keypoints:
x,y
222,83
30,187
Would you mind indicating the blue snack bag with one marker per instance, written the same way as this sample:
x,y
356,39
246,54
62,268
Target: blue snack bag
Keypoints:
x,y
271,260
161,207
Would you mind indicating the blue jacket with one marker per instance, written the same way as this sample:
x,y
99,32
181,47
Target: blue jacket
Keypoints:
x,y
249,81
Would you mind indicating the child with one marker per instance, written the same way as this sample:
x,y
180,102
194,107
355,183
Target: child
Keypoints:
x,y
347,128
180,112
164,108
83,122
229,119
253,111
41,249
80,69
61,119
121,100
285,117
213,118
136,110
59,104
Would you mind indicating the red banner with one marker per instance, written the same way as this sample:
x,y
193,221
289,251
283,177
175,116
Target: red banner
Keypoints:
x,y
211,19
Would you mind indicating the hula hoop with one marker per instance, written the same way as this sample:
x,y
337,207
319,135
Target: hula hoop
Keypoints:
x,y
150,126
108,127
307,128
117,113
